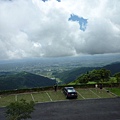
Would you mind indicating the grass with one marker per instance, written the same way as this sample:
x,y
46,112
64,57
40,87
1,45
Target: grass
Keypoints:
x,y
55,96
115,90
86,93
26,97
102,93
91,82
6,100
51,95
41,97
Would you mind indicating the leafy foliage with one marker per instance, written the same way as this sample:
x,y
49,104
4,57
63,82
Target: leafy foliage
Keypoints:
x,y
19,110
100,75
117,75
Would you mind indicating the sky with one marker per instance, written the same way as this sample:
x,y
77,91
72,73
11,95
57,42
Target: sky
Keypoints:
x,y
56,28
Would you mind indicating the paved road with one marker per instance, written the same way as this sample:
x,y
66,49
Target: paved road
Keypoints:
x,y
92,109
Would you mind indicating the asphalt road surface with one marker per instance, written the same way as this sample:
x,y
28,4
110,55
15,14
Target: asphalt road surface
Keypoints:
x,y
91,109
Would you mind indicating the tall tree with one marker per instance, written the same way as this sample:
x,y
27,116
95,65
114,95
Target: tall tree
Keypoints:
x,y
101,75
117,75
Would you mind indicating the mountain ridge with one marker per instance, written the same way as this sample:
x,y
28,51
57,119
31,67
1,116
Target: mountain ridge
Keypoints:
x,y
23,80
71,75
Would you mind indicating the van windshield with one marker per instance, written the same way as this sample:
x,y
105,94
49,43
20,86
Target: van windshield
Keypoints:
x,y
71,90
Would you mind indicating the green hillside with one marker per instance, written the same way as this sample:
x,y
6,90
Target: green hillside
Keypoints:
x,y
71,75
9,81
114,67
21,80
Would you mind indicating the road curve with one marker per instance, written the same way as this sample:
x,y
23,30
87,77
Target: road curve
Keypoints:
x,y
91,109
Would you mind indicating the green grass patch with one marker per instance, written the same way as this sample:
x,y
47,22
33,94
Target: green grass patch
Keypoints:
x,y
6,100
58,95
26,97
72,83
91,82
115,90
41,97
102,93
87,93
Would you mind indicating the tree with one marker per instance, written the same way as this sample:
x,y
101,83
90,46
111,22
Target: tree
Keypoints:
x,y
105,74
94,76
83,78
101,75
19,110
117,75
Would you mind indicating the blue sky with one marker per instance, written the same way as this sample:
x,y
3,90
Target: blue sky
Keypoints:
x,y
47,0
82,21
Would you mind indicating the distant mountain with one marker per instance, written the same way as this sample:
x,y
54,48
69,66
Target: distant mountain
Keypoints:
x,y
114,67
71,75
9,81
20,80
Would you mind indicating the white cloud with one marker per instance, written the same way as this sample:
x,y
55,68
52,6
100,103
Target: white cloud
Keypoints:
x,y
33,28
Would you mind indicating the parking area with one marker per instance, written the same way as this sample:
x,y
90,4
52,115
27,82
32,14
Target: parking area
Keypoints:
x,y
88,109
52,96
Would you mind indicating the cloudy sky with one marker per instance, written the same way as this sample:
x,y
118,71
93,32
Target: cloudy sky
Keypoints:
x,y
52,28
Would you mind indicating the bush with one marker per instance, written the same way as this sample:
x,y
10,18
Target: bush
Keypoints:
x,y
19,110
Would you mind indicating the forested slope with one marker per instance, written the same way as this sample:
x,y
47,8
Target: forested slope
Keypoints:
x,y
9,81
71,75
